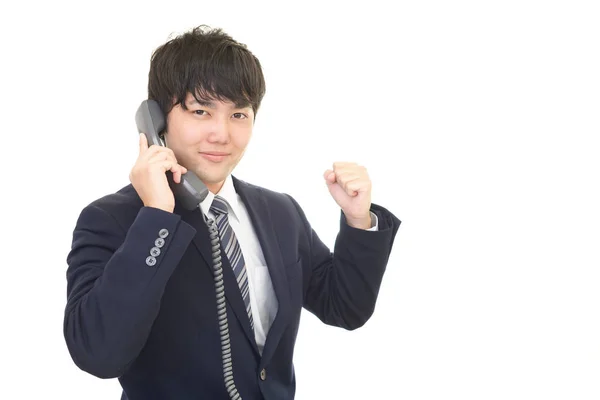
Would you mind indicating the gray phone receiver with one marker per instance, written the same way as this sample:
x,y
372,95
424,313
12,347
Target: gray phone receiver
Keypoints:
x,y
149,119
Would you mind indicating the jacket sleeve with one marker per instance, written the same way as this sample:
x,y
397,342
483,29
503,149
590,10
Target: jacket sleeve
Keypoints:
x,y
341,287
115,281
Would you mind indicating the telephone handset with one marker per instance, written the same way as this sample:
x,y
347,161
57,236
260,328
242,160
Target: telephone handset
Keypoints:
x,y
191,191
149,118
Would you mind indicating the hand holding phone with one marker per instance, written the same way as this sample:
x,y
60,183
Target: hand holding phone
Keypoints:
x,y
188,189
148,175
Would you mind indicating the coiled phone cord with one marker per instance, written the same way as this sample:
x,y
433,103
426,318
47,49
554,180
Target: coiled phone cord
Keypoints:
x,y
221,309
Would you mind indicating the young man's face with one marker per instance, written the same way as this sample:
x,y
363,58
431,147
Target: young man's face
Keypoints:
x,y
209,139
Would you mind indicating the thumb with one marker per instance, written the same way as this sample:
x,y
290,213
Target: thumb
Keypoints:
x,y
143,142
329,176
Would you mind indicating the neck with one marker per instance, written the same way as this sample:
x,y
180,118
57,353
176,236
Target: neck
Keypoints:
x,y
215,187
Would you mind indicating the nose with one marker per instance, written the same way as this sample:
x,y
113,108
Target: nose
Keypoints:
x,y
219,130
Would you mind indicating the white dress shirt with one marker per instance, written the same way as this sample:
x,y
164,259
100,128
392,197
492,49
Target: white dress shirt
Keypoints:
x,y
263,301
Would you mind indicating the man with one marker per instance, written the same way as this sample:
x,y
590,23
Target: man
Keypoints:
x,y
141,293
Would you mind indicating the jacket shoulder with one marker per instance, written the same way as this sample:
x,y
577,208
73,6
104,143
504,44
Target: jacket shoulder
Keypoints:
x,y
124,198
123,205
273,197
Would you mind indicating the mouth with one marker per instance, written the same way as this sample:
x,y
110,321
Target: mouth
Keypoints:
x,y
214,156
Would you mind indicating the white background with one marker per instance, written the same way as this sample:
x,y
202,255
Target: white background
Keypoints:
x,y
478,122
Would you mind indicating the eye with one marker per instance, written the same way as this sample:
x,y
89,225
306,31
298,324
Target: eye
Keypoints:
x,y
200,112
240,116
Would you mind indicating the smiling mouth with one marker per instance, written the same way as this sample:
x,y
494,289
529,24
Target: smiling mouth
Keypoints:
x,y
214,157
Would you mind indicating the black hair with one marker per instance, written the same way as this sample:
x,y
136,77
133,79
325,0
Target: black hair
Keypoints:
x,y
210,65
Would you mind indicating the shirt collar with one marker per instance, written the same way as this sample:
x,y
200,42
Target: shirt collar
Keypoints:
x,y
228,193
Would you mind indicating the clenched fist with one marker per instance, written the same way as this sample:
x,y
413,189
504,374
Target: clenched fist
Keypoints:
x,y
350,186
148,175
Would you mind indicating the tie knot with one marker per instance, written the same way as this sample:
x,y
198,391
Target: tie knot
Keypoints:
x,y
219,205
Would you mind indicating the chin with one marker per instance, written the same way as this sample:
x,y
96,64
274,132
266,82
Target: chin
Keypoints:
x,y
210,178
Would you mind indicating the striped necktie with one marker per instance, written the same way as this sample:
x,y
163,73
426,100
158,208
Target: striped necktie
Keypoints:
x,y
233,251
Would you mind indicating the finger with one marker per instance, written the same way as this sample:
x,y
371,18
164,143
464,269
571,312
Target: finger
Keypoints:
x,y
169,165
156,149
361,185
178,172
344,178
158,157
176,175
149,152
159,153
163,165
352,169
329,176
351,173
353,186
343,165
143,143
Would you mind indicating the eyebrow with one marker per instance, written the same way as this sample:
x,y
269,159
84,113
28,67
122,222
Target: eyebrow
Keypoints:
x,y
203,103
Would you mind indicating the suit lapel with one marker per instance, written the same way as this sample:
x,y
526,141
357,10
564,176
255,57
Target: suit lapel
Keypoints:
x,y
233,295
258,209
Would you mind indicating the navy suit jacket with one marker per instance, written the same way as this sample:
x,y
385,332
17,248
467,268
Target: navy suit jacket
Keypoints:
x,y
154,325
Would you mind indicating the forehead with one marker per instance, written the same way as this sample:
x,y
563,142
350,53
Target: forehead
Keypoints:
x,y
191,101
